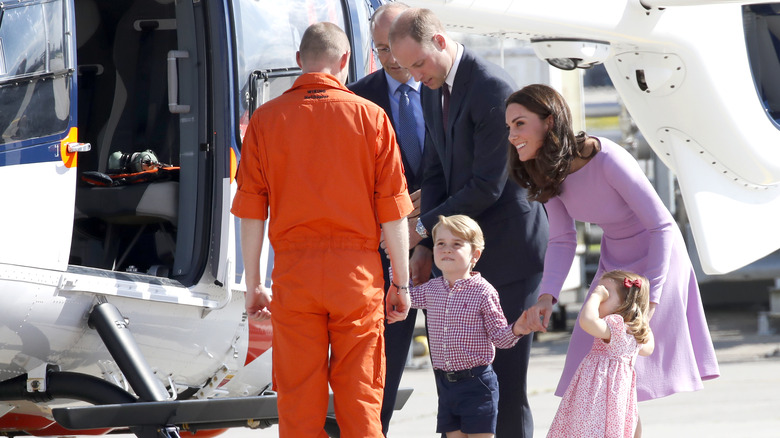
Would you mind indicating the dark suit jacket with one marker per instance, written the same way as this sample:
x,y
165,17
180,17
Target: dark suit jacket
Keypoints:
x,y
466,172
374,88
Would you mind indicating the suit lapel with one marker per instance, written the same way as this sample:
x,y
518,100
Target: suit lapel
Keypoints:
x,y
457,98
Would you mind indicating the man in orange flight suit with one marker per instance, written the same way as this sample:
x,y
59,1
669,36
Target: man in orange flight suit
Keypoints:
x,y
327,164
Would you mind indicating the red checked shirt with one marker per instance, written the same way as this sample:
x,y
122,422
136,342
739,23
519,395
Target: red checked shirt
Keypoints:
x,y
464,322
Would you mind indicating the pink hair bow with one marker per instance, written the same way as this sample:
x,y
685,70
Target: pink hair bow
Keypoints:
x,y
628,283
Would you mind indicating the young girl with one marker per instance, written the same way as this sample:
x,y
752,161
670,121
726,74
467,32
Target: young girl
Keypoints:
x,y
601,398
465,324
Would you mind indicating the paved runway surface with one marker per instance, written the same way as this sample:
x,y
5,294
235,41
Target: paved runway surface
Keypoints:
x,y
743,402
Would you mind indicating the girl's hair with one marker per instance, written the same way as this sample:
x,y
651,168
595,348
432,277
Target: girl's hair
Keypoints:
x,y
636,302
544,174
464,227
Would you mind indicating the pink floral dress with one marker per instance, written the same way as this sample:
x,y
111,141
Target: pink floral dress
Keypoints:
x,y
601,398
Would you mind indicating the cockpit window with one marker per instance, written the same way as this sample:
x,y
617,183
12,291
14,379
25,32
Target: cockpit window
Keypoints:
x,y
762,36
267,36
34,85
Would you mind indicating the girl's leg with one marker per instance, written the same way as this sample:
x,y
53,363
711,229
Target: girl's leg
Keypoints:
x,y
638,431
456,434
480,435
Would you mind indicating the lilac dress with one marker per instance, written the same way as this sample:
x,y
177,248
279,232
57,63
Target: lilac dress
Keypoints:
x,y
640,236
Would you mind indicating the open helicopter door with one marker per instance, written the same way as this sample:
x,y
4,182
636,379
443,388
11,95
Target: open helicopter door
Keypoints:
x,y
38,146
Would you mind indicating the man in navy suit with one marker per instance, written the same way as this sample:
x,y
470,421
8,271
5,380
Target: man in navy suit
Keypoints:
x,y
465,172
383,88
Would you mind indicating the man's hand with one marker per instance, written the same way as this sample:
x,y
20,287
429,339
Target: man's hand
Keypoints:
x,y
420,265
414,237
398,304
415,196
257,302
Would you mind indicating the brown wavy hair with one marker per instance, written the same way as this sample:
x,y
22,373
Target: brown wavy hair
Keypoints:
x,y
543,175
636,303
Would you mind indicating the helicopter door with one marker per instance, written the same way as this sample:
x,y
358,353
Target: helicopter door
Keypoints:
x,y
37,133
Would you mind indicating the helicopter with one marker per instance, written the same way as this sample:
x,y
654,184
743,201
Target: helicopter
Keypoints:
x,y
701,80
120,133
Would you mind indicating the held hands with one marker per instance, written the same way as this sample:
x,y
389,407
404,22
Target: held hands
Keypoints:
x,y
398,304
539,314
522,326
257,302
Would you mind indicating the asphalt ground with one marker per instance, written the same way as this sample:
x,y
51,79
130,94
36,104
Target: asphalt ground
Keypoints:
x,y
743,402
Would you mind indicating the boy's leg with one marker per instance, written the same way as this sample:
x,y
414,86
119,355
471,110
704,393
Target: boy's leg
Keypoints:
x,y
478,407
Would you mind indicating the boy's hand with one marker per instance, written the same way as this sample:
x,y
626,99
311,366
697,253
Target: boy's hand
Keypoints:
x,y
398,305
521,326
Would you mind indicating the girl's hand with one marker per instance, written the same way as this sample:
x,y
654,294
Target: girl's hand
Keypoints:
x,y
601,292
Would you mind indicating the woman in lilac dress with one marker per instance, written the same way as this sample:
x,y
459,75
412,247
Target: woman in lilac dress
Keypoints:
x,y
594,180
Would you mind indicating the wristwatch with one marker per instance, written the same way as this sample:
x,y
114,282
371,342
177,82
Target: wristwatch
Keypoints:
x,y
420,228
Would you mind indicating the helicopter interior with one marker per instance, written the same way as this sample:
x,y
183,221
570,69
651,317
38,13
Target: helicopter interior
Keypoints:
x,y
123,109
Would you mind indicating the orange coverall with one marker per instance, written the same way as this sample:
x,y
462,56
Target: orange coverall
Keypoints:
x,y
327,164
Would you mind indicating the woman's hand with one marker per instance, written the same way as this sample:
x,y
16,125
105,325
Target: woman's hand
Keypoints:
x,y
539,314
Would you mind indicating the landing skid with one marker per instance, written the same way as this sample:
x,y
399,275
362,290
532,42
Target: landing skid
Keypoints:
x,y
152,414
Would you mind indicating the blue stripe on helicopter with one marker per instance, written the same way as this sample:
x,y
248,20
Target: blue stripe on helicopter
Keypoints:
x,y
38,150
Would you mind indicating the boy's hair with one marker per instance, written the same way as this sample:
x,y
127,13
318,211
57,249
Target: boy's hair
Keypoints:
x,y
464,227
636,302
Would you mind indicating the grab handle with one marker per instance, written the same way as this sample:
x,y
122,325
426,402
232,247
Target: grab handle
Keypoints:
x,y
173,82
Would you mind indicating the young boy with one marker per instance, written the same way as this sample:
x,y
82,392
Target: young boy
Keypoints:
x,y
465,322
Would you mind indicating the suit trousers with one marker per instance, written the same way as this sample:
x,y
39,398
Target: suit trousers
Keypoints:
x,y
511,365
398,340
327,315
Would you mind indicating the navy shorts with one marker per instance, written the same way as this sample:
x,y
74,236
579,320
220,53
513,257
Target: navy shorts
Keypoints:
x,y
469,404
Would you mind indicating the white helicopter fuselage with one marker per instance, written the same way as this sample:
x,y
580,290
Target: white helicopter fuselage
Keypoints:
x,y
700,80
93,79
121,280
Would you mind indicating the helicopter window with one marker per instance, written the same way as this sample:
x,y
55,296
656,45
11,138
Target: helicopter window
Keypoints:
x,y
34,85
267,36
762,35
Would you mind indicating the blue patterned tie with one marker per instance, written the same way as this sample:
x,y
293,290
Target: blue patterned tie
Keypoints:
x,y
407,130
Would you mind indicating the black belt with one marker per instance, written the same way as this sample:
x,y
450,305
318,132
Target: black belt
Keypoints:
x,y
456,376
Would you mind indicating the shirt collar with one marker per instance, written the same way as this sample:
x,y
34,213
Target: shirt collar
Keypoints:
x,y
450,80
475,276
394,84
318,79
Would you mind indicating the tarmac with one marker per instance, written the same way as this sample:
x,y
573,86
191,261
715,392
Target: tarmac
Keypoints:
x,y
743,402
